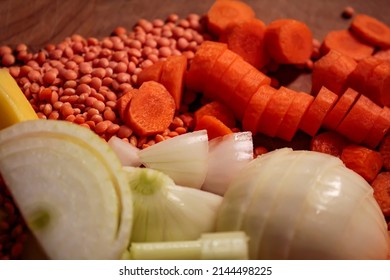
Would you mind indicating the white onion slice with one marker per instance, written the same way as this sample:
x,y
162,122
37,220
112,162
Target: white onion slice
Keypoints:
x,y
126,152
184,158
227,156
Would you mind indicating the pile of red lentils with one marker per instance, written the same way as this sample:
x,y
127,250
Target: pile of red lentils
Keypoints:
x,y
80,80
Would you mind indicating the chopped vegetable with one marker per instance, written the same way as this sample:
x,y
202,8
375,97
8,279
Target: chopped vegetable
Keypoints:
x,y
381,186
377,84
126,152
218,110
151,73
215,127
123,104
329,142
379,130
384,150
371,30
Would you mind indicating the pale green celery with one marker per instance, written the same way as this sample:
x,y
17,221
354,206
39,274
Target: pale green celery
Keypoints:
x,y
210,246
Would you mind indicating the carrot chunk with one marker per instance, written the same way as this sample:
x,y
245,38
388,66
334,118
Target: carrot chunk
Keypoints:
x,y
383,54
123,102
346,43
218,110
379,130
312,120
384,150
204,59
172,76
289,41
256,107
151,73
340,109
329,142
151,110
364,161
275,111
371,30
381,186
214,127
332,71
299,105
378,84
225,12
247,39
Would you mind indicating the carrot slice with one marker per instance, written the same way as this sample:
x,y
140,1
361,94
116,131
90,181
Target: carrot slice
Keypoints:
x,y
204,59
312,120
362,160
293,117
340,109
371,30
384,150
256,107
329,142
346,43
247,39
214,79
359,120
379,130
332,71
378,84
381,187
151,110
218,110
225,12
172,76
383,54
214,127
275,111
151,73
245,89
123,102
289,41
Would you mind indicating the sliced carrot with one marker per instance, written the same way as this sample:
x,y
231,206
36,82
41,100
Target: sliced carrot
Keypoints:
x,y
225,12
379,130
383,54
214,127
340,109
289,41
362,160
123,102
299,105
216,74
245,89
359,120
151,110
151,73
384,150
346,43
381,187
312,120
371,30
378,84
329,142
275,111
332,71
172,76
204,59
218,110
256,107
247,39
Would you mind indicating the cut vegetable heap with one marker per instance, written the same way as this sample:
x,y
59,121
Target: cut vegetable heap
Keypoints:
x,y
78,209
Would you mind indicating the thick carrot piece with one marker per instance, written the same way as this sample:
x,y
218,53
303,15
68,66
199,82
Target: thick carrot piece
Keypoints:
x,y
379,130
329,142
384,150
275,111
151,110
151,73
289,41
172,76
383,54
346,43
362,160
245,89
289,126
332,71
218,110
359,120
123,102
378,84
225,12
381,186
312,120
256,107
340,109
247,39
214,127
204,59
371,30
